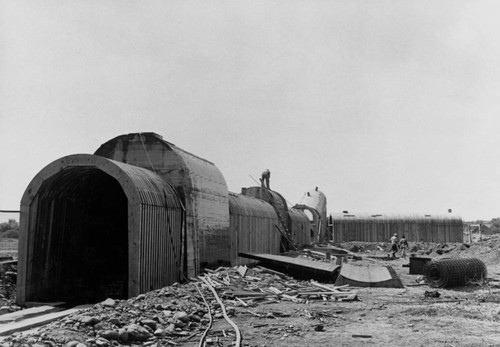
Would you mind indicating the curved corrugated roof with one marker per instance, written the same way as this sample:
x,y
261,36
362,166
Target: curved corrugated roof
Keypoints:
x,y
185,169
250,206
141,186
385,217
267,195
298,215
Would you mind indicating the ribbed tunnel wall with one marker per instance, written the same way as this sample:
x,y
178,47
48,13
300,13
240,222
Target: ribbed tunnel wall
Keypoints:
x,y
93,228
252,227
378,228
81,220
295,222
300,227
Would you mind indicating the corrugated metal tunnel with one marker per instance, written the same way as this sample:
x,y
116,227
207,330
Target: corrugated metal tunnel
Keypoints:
x,y
252,226
140,214
82,217
92,228
292,221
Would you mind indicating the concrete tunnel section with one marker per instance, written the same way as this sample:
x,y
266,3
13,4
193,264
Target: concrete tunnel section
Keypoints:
x,y
86,232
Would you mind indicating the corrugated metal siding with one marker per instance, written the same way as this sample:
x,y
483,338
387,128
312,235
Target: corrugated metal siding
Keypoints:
x,y
300,227
66,219
381,228
252,226
160,229
316,224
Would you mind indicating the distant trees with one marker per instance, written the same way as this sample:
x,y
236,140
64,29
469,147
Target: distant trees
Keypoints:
x,y
495,224
9,229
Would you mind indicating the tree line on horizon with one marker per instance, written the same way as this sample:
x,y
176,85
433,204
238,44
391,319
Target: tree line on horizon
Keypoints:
x,y
9,229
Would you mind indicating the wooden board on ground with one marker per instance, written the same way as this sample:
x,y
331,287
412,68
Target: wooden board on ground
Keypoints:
x,y
37,321
28,313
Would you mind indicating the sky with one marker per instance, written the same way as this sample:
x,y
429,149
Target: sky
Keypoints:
x,y
387,106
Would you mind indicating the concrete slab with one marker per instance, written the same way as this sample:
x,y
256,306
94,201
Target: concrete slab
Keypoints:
x,y
368,276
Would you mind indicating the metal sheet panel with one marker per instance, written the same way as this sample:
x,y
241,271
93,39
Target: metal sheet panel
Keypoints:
x,y
315,202
315,199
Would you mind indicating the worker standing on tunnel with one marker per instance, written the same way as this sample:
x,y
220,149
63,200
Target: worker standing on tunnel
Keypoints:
x,y
266,175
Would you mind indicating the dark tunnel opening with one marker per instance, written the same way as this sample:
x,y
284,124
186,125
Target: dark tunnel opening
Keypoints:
x,y
80,238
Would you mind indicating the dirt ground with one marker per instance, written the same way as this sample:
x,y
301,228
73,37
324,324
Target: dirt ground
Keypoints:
x,y
465,316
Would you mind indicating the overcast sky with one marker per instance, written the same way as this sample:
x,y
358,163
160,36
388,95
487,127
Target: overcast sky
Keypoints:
x,y
386,106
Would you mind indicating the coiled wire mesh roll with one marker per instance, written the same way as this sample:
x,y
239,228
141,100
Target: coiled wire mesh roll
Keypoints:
x,y
447,273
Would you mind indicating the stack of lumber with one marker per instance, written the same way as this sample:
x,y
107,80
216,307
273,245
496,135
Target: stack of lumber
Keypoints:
x,y
263,285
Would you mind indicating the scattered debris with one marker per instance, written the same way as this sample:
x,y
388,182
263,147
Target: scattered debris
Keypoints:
x,y
175,314
432,294
362,336
319,327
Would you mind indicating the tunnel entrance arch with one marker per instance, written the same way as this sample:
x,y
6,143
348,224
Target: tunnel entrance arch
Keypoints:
x,y
93,228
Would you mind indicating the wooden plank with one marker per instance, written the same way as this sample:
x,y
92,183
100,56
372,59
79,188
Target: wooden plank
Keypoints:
x,y
332,293
28,313
8,262
30,304
38,321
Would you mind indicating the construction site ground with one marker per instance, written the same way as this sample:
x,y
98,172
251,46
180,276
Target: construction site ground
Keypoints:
x,y
464,316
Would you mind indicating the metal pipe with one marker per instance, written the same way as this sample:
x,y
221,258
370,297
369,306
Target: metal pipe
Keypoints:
x,y
224,313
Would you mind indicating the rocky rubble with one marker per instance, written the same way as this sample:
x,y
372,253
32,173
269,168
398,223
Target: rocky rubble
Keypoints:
x,y
177,314
8,278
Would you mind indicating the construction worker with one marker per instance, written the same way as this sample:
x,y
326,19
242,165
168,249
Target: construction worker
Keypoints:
x,y
394,245
403,245
266,175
